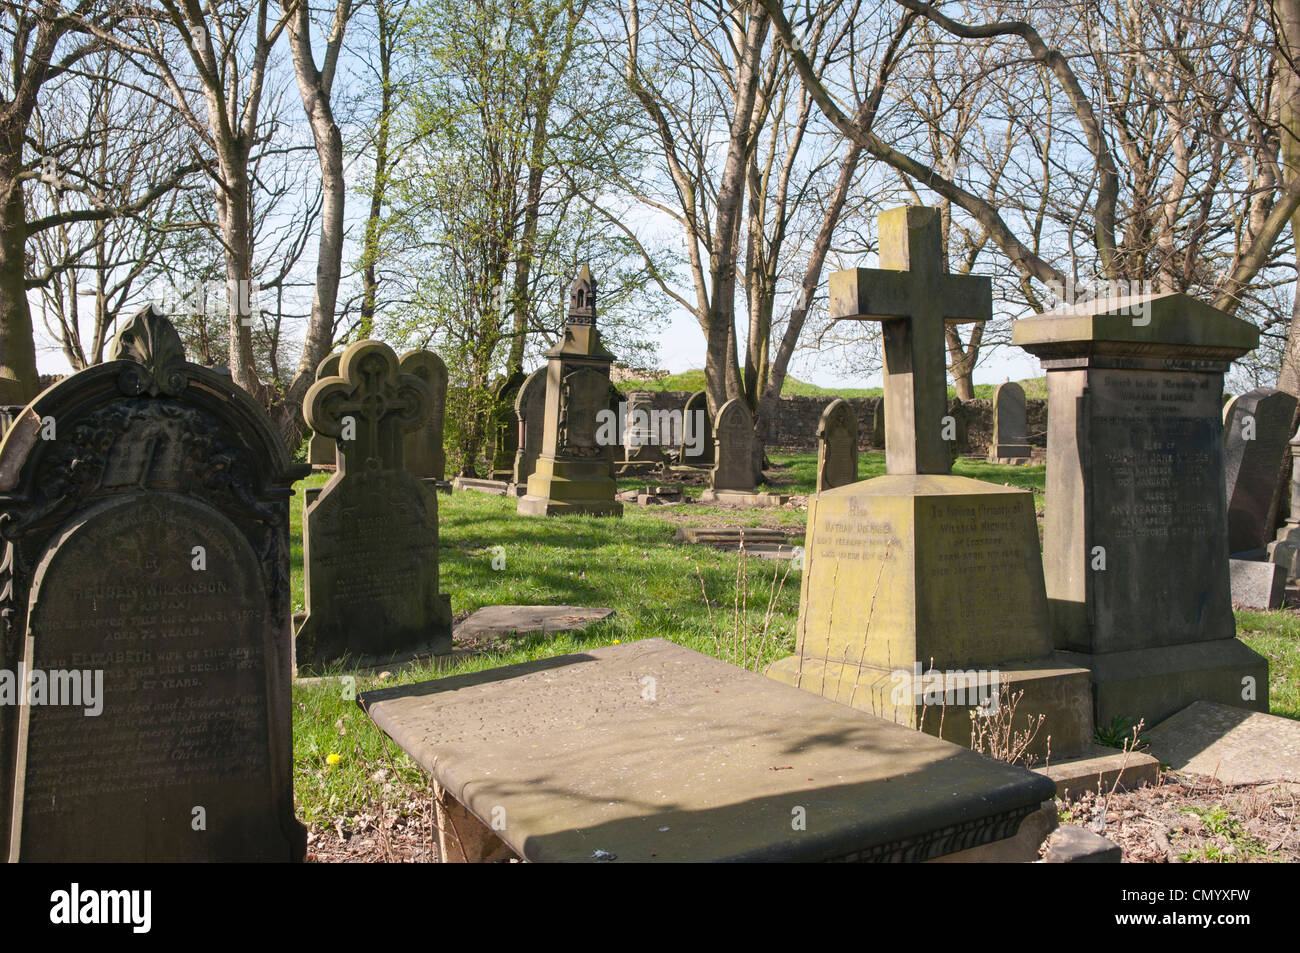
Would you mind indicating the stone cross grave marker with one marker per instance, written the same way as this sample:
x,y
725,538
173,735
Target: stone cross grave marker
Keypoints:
x,y
370,540
145,570
914,298
424,454
1256,430
837,446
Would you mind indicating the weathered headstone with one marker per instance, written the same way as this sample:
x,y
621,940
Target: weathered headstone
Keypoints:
x,y
503,426
370,541
530,411
1257,585
837,446
320,449
920,571
424,454
1135,542
146,604
957,428
878,425
1285,548
1010,443
733,452
1256,429
640,439
573,472
697,432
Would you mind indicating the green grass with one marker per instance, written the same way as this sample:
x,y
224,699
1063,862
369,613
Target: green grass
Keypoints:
x,y
692,381
653,584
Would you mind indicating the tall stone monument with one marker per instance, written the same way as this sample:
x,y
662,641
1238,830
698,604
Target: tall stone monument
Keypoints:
x,y
320,448
921,570
1010,443
145,599
1256,431
573,473
423,450
1135,542
837,446
530,410
370,540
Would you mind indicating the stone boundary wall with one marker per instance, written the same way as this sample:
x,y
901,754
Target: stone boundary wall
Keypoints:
x,y
795,425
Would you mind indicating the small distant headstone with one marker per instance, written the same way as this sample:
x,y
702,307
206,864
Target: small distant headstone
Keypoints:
x,y
370,541
530,411
320,449
145,579
733,448
503,426
1010,444
424,452
640,440
837,446
878,424
1256,428
697,431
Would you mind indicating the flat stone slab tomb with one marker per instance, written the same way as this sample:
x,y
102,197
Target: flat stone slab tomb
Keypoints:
x,y
652,752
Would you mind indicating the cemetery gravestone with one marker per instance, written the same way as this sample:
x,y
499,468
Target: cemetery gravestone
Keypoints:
x,y
697,432
145,507
878,425
920,570
1256,428
1135,542
503,426
1010,443
530,410
423,452
616,404
320,449
640,440
370,541
573,472
1284,549
837,446
733,453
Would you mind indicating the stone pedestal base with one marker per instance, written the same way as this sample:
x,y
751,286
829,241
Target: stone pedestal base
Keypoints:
x,y
1284,549
943,704
562,487
1152,684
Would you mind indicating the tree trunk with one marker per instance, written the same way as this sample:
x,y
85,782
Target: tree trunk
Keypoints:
x,y
17,345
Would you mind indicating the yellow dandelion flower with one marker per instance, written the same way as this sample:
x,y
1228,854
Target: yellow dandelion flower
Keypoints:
x,y
333,758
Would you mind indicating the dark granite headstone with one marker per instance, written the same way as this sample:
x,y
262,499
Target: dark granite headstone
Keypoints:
x,y
370,541
1009,424
837,446
424,453
1256,429
697,431
320,449
147,560
530,410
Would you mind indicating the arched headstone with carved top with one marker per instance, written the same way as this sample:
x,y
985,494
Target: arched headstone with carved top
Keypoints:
x,y
144,505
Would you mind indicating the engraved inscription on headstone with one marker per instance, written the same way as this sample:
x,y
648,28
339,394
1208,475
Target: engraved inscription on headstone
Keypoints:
x,y
146,564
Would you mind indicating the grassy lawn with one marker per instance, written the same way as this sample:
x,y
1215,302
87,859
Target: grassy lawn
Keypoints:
x,y
344,766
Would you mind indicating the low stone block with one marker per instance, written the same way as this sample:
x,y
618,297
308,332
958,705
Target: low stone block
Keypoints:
x,y
1232,744
1072,844
1102,768
1257,585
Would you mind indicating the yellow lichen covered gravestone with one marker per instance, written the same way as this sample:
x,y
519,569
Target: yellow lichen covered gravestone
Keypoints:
x,y
920,569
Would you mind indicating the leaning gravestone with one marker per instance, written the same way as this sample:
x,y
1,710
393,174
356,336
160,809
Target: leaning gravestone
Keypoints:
x,y
145,507
320,449
697,431
370,541
424,454
1135,543
1256,428
837,446
530,410
1010,445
